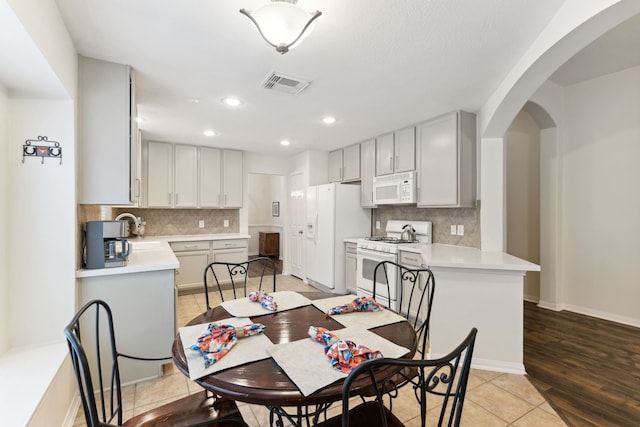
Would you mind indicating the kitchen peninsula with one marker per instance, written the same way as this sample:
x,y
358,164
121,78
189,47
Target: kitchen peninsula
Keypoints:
x,y
479,289
142,295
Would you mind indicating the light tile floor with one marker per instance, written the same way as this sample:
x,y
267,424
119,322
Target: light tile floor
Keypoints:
x,y
493,398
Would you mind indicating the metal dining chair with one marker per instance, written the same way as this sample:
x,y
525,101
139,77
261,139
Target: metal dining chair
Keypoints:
x,y
95,359
236,276
414,295
414,299
445,377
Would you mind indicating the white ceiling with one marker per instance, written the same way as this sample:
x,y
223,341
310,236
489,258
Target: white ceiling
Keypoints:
x,y
377,65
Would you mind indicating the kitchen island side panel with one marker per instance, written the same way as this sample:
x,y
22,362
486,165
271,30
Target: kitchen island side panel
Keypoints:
x,y
143,306
490,300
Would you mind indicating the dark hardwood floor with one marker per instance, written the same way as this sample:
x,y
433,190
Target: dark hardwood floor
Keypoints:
x,y
587,369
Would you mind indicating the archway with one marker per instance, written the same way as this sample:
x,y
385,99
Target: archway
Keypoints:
x,y
575,26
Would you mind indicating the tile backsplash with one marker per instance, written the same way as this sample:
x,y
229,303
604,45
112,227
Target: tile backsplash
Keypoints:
x,y
442,219
165,222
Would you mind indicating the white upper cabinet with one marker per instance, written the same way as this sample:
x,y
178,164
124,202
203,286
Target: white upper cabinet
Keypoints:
x,y
446,148
220,178
395,152
404,150
384,154
185,180
368,171
159,175
210,177
344,164
351,163
335,166
232,178
171,175
107,133
186,176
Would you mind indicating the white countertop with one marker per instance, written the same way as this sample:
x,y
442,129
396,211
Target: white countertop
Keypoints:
x,y
196,237
352,239
439,255
153,253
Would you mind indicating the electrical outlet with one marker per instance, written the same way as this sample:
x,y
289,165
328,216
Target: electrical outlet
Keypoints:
x,y
460,230
201,223
453,230
226,222
377,225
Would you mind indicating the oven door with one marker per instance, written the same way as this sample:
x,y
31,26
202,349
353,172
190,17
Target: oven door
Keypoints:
x,y
367,262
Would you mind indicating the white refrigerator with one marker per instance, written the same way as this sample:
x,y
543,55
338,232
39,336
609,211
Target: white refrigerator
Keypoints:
x,y
333,213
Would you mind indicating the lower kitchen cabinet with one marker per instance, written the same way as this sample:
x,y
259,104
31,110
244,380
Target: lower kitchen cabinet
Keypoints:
x,y
351,268
194,256
412,261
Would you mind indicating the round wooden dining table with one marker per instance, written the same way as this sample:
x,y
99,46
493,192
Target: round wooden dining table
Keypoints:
x,y
263,382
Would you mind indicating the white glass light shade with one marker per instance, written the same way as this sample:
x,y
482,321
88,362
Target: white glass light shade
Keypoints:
x,y
282,24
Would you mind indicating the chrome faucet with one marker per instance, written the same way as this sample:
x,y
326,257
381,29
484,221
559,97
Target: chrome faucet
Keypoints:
x,y
137,222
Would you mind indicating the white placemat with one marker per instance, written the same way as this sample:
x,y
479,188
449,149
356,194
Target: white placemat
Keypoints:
x,y
244,307
247,349
363,320
310,369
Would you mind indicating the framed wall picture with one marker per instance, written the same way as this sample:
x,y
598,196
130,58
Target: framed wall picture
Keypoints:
x,y
275,208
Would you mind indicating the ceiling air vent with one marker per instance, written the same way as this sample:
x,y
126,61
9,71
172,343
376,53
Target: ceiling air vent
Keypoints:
x,y
283,83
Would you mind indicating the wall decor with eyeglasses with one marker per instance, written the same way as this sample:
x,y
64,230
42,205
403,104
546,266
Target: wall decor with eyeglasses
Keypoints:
x,y
42,148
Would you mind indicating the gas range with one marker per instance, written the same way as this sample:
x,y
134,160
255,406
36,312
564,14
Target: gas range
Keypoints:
x,y
382,244
374,250
389,243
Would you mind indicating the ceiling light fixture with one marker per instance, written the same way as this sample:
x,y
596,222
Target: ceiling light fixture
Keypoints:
x,y
231,102
209,132
282,23
285,142
329,120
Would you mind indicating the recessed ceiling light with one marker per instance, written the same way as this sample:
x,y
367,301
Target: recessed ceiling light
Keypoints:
x,y
285,142
209,132
231,102
328,120
194,101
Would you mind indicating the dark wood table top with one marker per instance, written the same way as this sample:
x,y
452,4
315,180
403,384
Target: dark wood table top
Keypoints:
x,y
264,382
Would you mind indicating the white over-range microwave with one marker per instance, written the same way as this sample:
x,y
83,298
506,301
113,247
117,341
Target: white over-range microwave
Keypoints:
x,y
396,189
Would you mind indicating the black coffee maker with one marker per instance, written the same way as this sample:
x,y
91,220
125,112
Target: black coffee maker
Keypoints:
x,y
105,244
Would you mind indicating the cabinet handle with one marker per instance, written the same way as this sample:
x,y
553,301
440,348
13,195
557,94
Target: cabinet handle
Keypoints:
x,y
341,173
219,199
395,165
138,192
190,246
225,200
391,162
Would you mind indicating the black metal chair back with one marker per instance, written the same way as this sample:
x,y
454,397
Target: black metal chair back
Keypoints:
x,y
445,377
220,275
108,408
95,359
415,291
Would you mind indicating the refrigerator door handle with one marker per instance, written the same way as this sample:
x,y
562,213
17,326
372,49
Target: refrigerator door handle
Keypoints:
x,y
315,235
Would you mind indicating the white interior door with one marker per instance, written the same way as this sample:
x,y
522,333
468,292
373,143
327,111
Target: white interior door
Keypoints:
x,y
296,224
